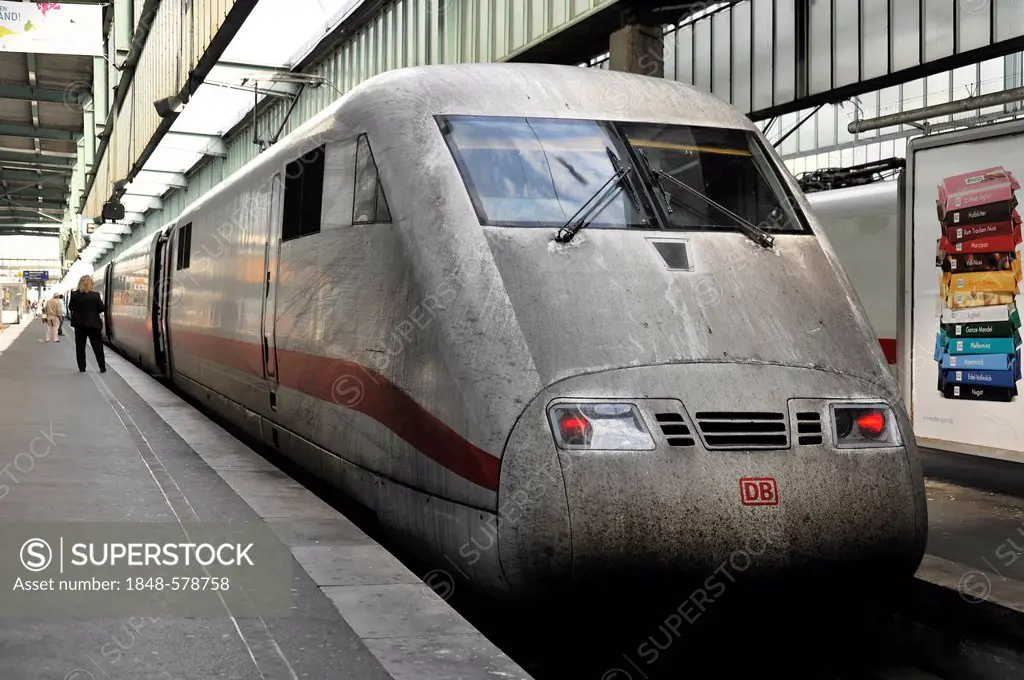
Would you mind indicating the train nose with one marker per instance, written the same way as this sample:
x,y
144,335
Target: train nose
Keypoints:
x,y
762,476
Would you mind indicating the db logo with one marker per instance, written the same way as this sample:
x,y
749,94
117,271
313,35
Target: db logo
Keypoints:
x,y
759,491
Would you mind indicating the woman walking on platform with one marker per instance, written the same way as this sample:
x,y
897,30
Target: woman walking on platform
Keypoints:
x,y
85,307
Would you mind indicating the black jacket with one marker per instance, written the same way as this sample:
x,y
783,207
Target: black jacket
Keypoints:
x,y
85,309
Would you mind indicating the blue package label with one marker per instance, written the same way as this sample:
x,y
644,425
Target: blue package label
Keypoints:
x,y
979,362
982,346
972,377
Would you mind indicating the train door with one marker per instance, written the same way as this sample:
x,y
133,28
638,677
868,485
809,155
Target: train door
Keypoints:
x,y
161,294
271,254
108,297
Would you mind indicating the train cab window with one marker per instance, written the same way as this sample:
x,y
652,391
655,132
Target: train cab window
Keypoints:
x,y
727,166
539,172
184,246
369,205
303,195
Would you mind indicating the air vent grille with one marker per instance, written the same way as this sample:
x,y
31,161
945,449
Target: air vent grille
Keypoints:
x,y
675,429
738,430
808,426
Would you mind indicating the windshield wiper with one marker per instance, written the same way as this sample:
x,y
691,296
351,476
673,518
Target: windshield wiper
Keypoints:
x,y
753,232
628,184
666,202
598,202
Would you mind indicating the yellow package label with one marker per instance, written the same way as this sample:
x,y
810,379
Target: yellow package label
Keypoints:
x,y
957,300
983,282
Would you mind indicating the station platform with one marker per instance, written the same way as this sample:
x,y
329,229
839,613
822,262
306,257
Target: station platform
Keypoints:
x,y
123,448
120,447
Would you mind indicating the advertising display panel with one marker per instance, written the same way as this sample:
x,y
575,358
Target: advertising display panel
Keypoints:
x,y
51,28
962,340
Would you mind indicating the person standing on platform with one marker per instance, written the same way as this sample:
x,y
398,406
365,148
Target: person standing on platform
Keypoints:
x,y
63,315
85,307
52,311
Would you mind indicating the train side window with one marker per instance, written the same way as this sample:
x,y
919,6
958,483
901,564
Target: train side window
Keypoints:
x,y
303,195
185,246
369,205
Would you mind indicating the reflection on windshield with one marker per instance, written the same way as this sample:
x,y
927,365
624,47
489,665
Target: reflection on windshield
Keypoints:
x,y
725,165
534,172
538,172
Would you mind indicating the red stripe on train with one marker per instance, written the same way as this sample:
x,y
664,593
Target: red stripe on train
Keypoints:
x,y
353,386
889,348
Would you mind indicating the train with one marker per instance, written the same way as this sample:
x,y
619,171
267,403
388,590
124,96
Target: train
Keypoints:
x,y
552,326
862,224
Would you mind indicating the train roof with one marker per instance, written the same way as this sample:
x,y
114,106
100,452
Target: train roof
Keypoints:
x,y
877,197
542,90
500,89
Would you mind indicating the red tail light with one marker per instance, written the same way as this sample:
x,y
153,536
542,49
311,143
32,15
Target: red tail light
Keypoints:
x,y
871,424
575,429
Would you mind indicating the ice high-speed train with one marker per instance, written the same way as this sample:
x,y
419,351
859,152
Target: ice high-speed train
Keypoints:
x,y
551,324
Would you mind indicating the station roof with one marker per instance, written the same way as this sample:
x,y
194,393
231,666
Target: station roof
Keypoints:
x,y
40,121
258,63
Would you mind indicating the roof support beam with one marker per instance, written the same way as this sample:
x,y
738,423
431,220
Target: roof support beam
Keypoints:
x,y
48,180
33,132
60,155
31,193
23,231
40,94
36,159
27,215
31,203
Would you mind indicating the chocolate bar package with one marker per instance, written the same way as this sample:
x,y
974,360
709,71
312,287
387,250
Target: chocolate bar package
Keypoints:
x,y
979,262
972,377
991,244
984,230
960,300
978,197
980,282
1007,312
977,187
1006,346
978,392
981,362
992,329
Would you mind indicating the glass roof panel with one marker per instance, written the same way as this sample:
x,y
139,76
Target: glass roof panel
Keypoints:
x,y
292,26
136,204
170,159
214,110
143,185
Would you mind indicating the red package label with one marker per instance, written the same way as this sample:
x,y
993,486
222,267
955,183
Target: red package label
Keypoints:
x,y
1001,211
978,262
993,244
991,185
984,230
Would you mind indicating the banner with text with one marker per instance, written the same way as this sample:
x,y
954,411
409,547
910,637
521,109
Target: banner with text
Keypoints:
x,y
51,28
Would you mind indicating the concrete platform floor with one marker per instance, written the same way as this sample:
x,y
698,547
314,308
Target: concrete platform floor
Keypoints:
x,y
359,613
126,449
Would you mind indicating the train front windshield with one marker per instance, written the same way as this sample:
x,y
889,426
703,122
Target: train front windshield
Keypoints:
x,y
535,172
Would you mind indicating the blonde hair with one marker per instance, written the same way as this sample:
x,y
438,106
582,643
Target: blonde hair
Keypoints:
x,y
85,284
